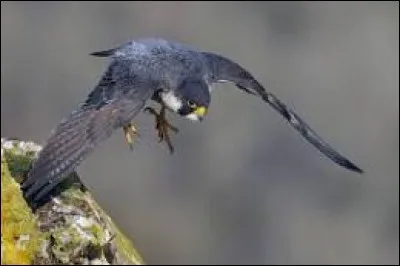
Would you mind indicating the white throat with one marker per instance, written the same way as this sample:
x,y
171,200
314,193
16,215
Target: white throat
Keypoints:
x,y
192,117
171,101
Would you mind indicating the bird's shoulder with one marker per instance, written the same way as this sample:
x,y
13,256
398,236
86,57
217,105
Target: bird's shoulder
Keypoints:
x,y
158,59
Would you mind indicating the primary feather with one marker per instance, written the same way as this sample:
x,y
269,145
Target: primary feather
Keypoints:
x,y
227,70
136,70
116,99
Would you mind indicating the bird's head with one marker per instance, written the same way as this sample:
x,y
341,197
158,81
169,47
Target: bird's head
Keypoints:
x,y
190,99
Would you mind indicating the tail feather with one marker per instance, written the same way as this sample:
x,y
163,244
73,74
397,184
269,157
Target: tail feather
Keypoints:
x,y
105,53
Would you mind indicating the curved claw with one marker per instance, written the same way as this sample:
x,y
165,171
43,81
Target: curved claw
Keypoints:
x,y
162,126
151,110
130,133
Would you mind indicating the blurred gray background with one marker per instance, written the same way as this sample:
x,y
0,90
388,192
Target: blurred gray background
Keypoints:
x,y
242,186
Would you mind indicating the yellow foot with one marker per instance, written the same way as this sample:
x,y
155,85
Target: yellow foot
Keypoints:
x,y
130,132
162,126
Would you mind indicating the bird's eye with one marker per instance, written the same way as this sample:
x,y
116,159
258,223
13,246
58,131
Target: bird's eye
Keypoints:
x,y
191,104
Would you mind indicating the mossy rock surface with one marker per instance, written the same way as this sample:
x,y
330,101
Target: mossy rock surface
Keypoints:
x,y
69,229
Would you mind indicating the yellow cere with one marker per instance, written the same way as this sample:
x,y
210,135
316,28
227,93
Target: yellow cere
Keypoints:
x,y
200,111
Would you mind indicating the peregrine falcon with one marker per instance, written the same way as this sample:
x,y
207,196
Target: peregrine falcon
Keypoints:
x,y
174,75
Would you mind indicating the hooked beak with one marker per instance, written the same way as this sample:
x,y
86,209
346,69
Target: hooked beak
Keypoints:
x,y
200,112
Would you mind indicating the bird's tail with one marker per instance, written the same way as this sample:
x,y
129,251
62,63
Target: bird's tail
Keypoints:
x,y
105,53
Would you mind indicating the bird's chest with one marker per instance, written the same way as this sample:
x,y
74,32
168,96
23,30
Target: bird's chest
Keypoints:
x,y
170,100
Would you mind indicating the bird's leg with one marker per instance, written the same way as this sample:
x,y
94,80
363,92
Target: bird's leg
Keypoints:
x,y
163,126
130,132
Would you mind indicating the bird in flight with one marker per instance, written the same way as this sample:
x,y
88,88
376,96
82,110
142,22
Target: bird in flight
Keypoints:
x,y
177,77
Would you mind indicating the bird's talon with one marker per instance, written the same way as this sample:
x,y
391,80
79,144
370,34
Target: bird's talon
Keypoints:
x,y
151,110
130,133
176,130
162,126
159,135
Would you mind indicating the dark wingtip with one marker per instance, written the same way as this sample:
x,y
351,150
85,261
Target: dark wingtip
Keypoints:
x,y
351,166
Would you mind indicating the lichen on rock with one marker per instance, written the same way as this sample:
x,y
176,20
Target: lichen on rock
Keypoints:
x,y
69,229
20,236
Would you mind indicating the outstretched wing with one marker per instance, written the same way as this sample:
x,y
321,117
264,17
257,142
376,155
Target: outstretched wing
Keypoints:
x,y
223,69
114,102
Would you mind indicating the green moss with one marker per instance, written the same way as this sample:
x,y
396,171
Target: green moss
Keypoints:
x,y
70,243
18,164
74,196
125,245
20,234
75,230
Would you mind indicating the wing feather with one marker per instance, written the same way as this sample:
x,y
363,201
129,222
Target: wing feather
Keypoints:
x,y
223,69
115,101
